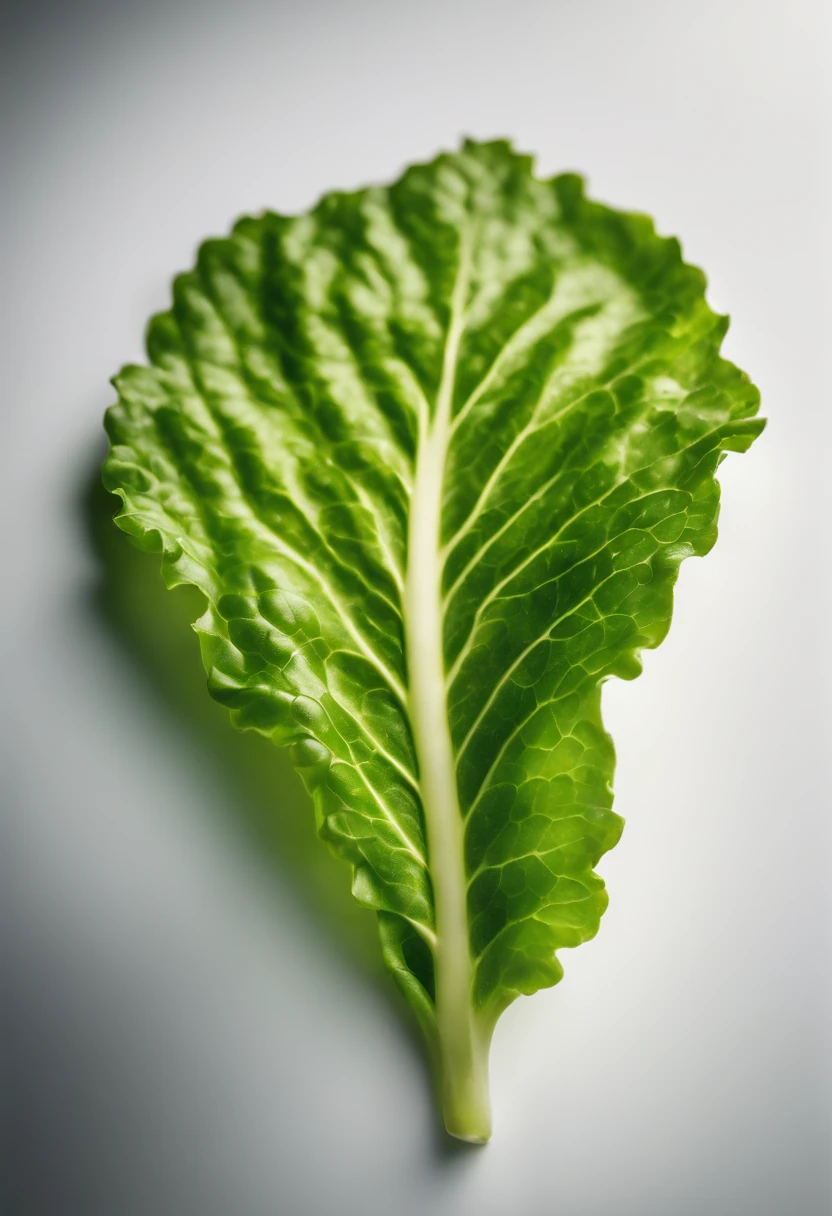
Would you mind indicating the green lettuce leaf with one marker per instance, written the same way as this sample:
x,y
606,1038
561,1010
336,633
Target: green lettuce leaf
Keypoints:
x,y
433,454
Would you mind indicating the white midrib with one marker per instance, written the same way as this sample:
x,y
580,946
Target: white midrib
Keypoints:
x,y
463,1056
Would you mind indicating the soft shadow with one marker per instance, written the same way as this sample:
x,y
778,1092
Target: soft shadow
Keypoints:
x,y
152,627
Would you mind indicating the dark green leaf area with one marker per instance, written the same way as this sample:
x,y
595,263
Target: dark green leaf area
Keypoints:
x,y
268,452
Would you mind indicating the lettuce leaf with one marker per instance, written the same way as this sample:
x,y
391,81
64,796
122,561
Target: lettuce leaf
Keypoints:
x,y
433,454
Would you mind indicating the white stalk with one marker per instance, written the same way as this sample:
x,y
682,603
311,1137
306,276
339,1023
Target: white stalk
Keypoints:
x,y
463,1041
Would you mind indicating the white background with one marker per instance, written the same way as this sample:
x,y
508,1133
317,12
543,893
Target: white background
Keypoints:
x,y
197,1025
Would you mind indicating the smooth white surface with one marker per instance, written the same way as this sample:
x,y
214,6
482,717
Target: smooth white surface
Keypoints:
x,y
188,1035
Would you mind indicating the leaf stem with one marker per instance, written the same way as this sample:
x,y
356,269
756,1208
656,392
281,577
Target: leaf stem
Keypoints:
x,y
462,1045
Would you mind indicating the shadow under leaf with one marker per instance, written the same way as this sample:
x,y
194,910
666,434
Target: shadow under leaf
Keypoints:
x,y
152,625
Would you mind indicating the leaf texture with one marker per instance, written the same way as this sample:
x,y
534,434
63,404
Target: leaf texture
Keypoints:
x,y
433,453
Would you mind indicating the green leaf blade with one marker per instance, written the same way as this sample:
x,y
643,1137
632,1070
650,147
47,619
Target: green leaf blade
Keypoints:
x,y
434,453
